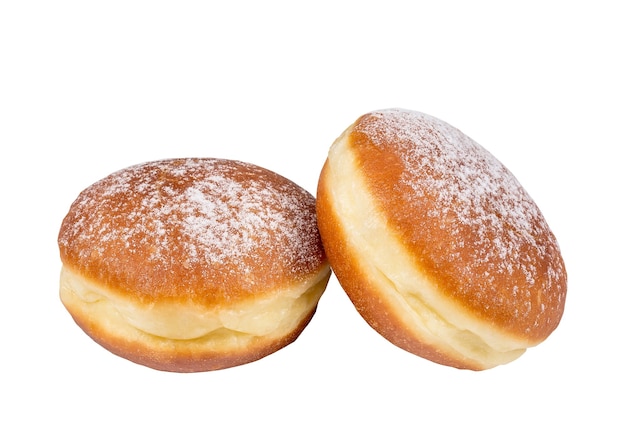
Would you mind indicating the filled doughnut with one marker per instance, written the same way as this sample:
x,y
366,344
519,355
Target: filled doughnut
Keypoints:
x,y
189,265
436,243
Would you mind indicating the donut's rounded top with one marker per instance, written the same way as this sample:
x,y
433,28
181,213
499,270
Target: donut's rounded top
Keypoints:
x,y
464,218
202,230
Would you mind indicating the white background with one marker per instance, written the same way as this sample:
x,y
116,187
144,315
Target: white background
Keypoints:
x,y
87,88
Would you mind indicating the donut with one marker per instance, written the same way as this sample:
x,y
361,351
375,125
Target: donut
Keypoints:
x,y
436,243
192,264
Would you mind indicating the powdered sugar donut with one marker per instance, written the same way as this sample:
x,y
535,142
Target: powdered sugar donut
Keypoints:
x,y
436,243
192,264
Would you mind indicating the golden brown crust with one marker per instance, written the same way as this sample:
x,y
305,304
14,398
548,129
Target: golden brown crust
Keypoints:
x,y
373,306
464,221
217,230
168,263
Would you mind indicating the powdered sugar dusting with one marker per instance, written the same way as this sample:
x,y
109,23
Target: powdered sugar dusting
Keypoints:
x,y
483,207
217,219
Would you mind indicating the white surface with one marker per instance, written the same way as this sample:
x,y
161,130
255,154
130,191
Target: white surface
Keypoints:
x,y
87,88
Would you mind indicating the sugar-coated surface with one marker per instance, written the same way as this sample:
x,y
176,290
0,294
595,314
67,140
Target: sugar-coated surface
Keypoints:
x,y
498,250
219,223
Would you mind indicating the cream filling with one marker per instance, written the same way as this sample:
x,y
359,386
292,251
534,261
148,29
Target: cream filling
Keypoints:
x,y
429,315
274,315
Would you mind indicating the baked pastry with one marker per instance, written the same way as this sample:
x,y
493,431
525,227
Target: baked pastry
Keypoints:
x,y
190,265
436,243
